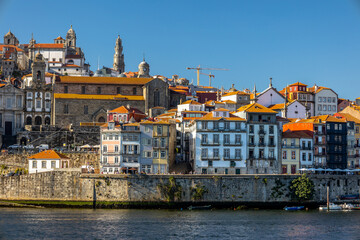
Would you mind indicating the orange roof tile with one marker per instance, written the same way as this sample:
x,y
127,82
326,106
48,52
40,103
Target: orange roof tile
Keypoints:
x,y
221,110
298,84
210,117
235,93
48,154
191,102
255,107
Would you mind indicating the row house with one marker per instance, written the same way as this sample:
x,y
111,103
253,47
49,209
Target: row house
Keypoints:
x,y
262,139
137,147
218,143
330,139
296,151
353,139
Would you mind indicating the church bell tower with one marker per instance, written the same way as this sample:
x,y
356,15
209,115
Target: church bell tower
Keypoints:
x,y
119,64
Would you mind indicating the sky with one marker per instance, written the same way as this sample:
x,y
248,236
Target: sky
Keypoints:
x,y
314,42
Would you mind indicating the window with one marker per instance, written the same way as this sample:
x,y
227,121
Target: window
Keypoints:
x,y
333,99
147,129
333,108
226,153
324,108
29,95
156,154
320,99
53,164
116,159
204,153
159,130
29,104
304,156
162,154
116,137
156,142
329,108
226,138
319,107
38,103
204,125
8,102
116,148
66,108
293,156
162,142
216,138
251,129
43,164
227,125
271,153
238,138
237,153
271,129
118,90
329,99
105,159
19,101
284,155
204,138
86,109
216,125
34,164
83,89
215,153
134,91
210,164
47,104
324,99
309,157
66,90
238,125
99,90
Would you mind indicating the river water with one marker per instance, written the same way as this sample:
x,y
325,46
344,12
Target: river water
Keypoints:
x,y
18,223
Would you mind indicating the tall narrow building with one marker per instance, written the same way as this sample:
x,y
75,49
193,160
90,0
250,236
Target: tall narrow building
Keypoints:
x,y
119,64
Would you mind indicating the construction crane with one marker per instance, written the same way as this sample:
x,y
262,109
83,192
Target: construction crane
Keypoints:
x,y
199,68
210,76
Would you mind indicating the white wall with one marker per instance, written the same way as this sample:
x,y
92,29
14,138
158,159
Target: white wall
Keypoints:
x,y
39,167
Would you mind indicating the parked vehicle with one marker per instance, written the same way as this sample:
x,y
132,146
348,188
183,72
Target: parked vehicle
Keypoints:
x,y
29,147
14,146
43,147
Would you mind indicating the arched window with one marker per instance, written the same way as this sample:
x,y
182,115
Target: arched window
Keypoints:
x,y
70,61
47,120
38,75
156,98
38,120
101,119
29,121
69,43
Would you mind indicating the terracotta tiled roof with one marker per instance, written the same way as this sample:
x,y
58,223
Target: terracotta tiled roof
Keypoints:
x,y
48,154
297,84
327,118
72,66
98,96
210,117
348,117
221,110
229,102
49,45
124,109
191,102
103,80
59,38
10,46
172,110
161,122
277,106
255,107
235,93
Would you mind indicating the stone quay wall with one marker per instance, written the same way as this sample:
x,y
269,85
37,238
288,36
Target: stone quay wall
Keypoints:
x,y
74,186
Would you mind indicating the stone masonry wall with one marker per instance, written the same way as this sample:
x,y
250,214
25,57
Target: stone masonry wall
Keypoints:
x,y
70,186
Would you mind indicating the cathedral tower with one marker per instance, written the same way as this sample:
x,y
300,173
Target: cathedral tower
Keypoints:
x,y
10,39
71,38
119,64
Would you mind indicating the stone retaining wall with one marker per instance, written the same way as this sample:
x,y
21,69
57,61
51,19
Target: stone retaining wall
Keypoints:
x,y
73,186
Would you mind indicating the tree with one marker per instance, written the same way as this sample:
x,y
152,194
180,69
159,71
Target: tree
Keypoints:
x,y
302,188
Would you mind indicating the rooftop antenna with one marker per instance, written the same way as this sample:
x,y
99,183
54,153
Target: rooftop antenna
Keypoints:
x,y
143,57
98,62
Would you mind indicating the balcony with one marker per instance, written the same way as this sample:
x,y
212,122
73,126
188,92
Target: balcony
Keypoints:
x,y
232,158
306,148
210,144
271,145
261,144
319,133
233,143
251,144
290,146
130,153
159,146
320,154
261,132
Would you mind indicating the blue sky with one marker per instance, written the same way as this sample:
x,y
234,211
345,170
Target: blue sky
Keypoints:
x,y
308,41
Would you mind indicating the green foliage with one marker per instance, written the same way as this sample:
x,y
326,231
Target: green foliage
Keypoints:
x,y
277,191
265,181
302,188
197,192
256,177
170,190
